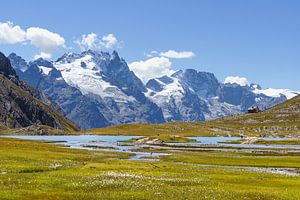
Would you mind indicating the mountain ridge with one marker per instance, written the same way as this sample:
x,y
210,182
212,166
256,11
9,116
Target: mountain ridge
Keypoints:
x,y
217,99
101,86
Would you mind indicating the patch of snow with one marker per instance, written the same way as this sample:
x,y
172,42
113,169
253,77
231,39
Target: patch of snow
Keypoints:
x,y
257,99
45,70
23,68
171,91
59,79
277,92
88,79
255,86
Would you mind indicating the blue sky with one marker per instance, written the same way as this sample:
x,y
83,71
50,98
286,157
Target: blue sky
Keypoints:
x,y
259,40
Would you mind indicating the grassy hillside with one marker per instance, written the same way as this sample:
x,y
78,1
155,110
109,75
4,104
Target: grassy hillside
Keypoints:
x,y
281,120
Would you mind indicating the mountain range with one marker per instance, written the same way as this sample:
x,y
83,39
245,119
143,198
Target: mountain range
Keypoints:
x,y
97,89
282,120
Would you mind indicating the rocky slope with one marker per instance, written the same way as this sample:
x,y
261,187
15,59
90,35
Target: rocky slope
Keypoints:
x,y
22,106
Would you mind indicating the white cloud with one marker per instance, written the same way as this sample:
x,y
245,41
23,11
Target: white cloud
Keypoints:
x,y
88,41
158,64
177,54
152,68
151,54
10,34
236,79
43,55
93,41
109,41
48,42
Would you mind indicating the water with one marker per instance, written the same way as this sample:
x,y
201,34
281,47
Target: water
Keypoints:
x,y
97,142
114,143
213,140
83,141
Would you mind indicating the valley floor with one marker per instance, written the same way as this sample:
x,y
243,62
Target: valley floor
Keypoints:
x,y
37,170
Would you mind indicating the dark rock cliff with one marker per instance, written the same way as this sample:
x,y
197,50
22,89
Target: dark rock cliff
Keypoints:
x,y
21,105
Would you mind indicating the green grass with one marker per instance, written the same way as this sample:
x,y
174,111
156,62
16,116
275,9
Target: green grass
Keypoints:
x,y
279,142
164,139
173,128
266,142
36,170
233,141
237,159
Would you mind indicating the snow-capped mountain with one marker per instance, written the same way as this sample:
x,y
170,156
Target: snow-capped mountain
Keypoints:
x,y
188,95
274,92
178,101
42,75
97,89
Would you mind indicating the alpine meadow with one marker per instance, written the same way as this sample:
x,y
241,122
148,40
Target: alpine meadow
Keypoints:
x,y
150,100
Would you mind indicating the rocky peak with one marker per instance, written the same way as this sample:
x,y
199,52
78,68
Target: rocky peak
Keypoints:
x,y
118,73
204,84
17,62
154,85
166,79
255,86
5,67
68,57
42,62
43,67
